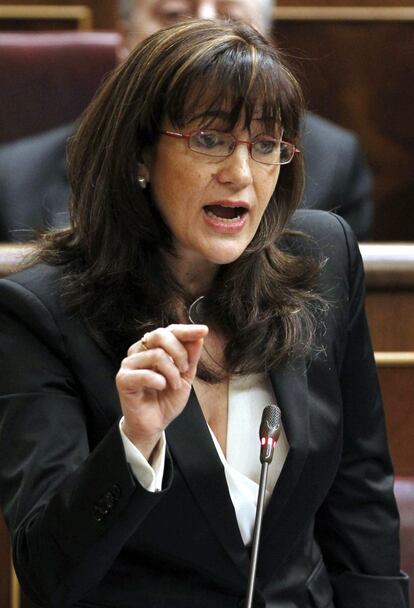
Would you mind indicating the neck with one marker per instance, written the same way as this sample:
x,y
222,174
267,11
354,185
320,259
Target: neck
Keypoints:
x,y
195,275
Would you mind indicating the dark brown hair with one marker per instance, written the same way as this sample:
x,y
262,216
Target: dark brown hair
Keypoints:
x,y
115,278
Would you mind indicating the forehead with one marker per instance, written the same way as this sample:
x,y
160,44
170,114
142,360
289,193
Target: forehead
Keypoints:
x,y
249,116
238,9
211,88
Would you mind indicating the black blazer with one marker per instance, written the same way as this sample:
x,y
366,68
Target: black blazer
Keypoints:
x,y
85,533
34,189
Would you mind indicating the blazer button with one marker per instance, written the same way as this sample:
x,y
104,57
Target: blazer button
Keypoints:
x,y
97,515
116,491
109,498
103,506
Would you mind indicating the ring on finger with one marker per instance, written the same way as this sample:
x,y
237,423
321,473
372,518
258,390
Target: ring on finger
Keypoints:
x,y
144,342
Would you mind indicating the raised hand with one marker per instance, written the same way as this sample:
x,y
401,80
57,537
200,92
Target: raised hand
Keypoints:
x,y
155,379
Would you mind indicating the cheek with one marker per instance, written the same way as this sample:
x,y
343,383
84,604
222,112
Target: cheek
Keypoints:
x,y
185,182
267,184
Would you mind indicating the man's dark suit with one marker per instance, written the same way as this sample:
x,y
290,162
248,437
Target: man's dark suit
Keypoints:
x,y
34,189
85,533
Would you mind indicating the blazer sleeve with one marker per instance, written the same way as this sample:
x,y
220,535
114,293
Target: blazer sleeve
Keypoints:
x,y
357,526
70,509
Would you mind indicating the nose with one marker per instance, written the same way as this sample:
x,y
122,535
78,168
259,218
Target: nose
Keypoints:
x,y
206,10
236,169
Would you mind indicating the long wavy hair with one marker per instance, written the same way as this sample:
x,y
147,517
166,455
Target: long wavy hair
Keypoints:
x,y
115,276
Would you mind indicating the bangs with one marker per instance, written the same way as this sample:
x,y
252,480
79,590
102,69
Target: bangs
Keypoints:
x,y
233,83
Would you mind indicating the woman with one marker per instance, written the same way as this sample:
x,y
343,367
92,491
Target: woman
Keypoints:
x,y
138,357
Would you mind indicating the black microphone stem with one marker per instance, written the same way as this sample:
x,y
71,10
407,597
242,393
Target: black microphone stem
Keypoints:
x,y
256,533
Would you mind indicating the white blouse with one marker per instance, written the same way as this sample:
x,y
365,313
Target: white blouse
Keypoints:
x,y
248,395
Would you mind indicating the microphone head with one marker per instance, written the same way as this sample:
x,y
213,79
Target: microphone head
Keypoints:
x,y
269,432
270,424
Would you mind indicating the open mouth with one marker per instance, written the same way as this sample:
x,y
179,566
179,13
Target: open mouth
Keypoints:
x,y
225,213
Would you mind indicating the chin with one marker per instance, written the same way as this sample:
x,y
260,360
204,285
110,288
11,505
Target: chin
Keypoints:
x,y
225,257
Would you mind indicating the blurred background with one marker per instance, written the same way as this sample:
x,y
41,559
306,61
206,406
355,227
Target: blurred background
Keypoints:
x,y
354,59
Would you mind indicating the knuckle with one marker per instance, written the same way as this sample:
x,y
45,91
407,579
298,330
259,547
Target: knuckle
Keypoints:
x,y
121,377
124,363
159,354
161,332
132,349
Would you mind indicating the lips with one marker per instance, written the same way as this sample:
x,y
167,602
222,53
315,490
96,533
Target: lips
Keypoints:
x,y
226,217
225,212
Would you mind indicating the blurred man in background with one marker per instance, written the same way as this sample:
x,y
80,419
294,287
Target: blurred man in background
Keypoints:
x,y
34,189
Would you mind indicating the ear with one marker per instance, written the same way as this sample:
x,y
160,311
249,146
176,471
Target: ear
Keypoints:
x,y
122,50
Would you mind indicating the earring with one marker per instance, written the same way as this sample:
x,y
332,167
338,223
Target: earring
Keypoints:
x,y
142,182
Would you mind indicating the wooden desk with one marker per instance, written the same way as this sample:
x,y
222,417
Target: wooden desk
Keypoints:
x,y
390,308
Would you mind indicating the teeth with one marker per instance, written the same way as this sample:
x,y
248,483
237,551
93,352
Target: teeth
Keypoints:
x,y
228,220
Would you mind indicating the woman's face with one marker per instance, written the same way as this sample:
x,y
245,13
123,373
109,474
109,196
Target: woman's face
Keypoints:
x,y
213,206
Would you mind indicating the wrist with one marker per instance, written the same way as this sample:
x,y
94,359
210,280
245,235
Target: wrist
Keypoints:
x,y
145,443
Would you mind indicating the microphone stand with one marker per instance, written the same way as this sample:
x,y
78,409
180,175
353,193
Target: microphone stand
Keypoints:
x,y
256,534
269,432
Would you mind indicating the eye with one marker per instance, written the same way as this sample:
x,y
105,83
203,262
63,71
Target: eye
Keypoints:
x,y
207,139
173,16
265,145
175,10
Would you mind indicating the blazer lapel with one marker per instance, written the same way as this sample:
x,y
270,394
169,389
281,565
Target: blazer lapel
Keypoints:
x,y
193,451
290,387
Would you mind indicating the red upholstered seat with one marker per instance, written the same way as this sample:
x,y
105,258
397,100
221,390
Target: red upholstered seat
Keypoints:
x,y
47,79
404,491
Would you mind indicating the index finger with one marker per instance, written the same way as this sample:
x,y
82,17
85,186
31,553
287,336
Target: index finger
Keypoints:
x,y
188,332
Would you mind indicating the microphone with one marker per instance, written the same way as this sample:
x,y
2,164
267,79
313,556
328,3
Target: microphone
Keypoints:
x,y
269,433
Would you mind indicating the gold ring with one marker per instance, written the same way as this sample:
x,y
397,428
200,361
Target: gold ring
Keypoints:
x,y
144,341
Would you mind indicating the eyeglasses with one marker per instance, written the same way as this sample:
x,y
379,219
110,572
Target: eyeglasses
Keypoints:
x,y
263,148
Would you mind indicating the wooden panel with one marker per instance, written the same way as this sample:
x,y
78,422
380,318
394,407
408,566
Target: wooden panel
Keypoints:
x,y
103,11
38,18
388,266
390,308
358,3
391,320
389,269
341,13
356,66
317,3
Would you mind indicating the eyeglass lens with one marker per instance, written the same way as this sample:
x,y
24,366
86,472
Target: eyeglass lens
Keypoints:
x,y
263,149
